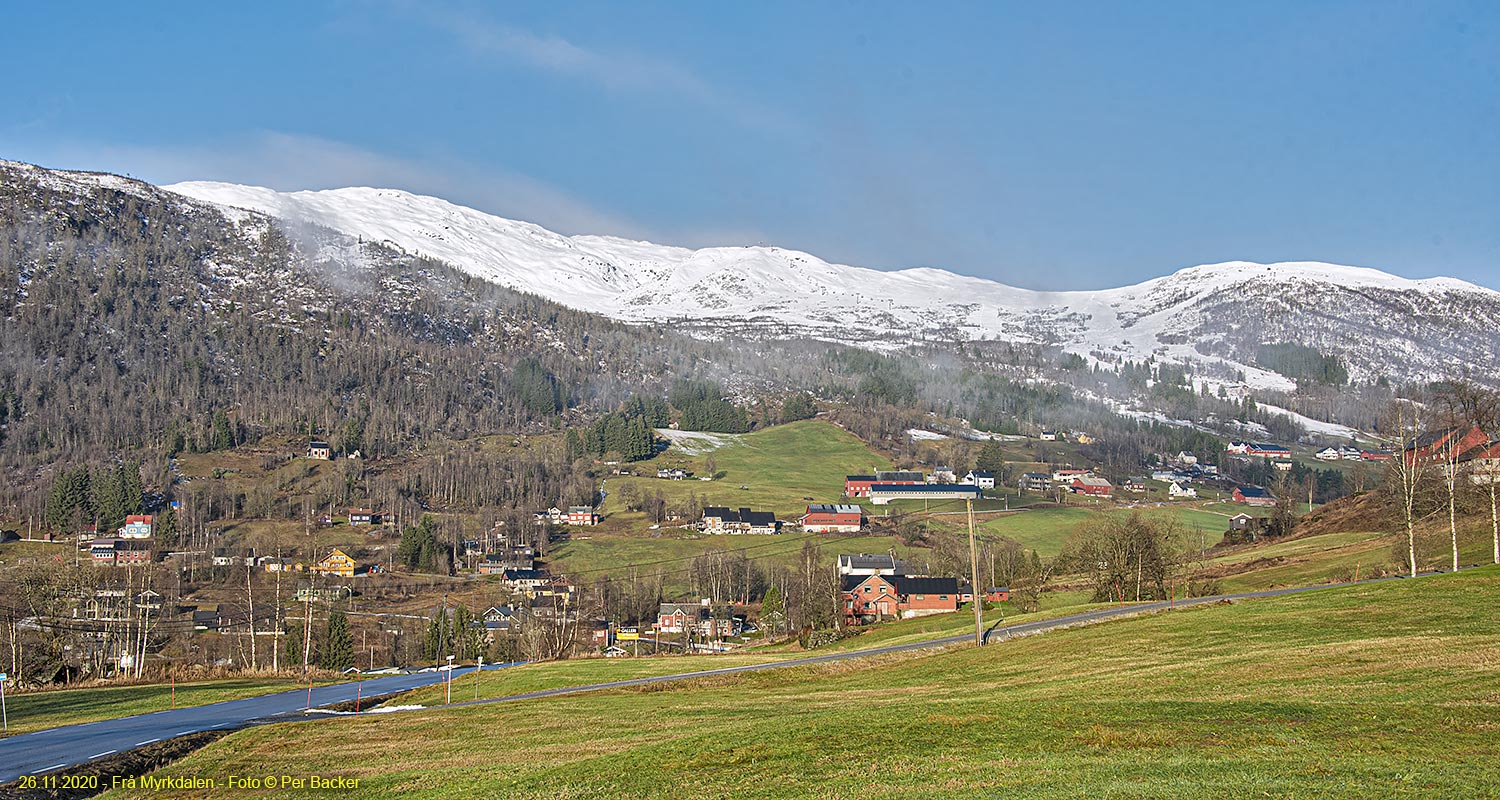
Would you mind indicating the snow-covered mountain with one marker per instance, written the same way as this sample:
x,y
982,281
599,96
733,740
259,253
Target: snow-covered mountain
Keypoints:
x,y
1213,315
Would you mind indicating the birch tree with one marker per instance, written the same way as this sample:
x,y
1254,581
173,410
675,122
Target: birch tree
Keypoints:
x,y
1406,473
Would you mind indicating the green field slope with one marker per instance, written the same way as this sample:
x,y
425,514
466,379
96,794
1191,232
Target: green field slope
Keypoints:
x,y
779,466
1381,690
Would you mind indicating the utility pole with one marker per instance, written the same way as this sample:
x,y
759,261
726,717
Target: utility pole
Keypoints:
x,y
974,578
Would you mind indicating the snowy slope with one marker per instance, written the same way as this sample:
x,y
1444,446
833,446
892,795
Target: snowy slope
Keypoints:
x,y
1213,315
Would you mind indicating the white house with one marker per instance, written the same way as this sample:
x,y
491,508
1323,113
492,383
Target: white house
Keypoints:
x,y
1328,454
1182,491
137,526
984,479
1184,457
942,475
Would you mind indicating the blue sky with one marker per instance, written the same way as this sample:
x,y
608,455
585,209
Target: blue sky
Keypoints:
x,y
1078,146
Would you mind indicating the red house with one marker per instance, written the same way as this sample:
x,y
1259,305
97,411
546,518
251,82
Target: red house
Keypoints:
x,y
859,485
580,515
1268,450
698,618
1439,447
1094,487
1253,496
996,594
825,518
868,598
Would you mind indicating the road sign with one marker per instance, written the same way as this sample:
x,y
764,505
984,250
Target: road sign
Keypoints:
x,y
627,636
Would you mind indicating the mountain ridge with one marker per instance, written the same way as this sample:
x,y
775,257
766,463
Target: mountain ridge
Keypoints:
x,y
1187,316
1212,317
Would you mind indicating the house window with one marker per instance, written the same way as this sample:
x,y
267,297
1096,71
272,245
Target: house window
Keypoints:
x,y
921,597
867,590
942,597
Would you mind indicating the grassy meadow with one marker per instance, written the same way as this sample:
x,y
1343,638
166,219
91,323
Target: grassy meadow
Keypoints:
x,y
1377,690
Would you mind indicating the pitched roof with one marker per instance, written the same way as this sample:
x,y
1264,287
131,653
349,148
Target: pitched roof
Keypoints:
x,y
851,582
1253,491
834,508
867,561
905,585
744,515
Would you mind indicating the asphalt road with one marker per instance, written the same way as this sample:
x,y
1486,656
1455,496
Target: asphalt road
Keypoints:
x,y
71,745
59,748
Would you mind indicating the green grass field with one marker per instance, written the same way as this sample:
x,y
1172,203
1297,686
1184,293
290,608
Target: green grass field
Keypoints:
x,y
1378,690
672,553
39,710
780,466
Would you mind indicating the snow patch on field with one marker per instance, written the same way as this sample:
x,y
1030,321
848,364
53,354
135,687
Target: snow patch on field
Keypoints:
x,y
697,443
919,435
1312,425
376,710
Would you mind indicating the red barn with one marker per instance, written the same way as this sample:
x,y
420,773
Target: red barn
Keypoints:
x,y
1094,487
1439,447
826,518
1253,496
859,485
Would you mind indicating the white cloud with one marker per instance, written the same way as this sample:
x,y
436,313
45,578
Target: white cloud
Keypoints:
x,y
619,71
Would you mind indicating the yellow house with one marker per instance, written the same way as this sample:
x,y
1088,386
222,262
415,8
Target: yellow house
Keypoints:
x,y
1084,438
337,564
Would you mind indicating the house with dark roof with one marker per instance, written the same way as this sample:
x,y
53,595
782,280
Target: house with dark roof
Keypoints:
x,y
983,478
1263,450
871,564
868,598
525,580
319,451
1253,496
720,520
1034,482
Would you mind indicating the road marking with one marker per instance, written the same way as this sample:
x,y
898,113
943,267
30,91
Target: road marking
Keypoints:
x,y
54,766
184,733
148,741
101,755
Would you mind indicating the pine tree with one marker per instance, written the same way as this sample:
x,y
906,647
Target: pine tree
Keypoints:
x,y
222,437
338,646
292,633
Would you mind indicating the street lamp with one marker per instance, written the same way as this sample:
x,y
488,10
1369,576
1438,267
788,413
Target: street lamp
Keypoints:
x,y
449,682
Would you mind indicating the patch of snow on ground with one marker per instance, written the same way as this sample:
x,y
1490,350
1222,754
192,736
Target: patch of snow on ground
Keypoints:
x,y
919,435
376,710
1312,425
697,443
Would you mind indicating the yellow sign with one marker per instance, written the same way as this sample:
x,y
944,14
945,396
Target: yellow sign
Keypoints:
x,y
627,636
